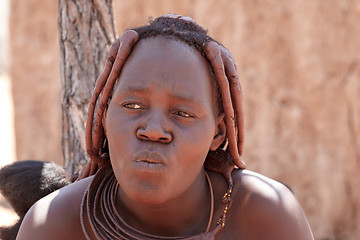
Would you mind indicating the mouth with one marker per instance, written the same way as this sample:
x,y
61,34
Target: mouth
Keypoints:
x,y
149,161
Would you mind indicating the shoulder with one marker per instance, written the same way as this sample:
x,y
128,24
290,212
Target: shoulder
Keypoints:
x,y
267,209
56,216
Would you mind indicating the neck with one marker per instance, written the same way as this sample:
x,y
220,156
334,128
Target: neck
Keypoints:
x,y
188,214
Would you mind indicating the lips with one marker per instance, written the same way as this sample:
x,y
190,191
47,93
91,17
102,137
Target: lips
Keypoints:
x,y
149,161
147,156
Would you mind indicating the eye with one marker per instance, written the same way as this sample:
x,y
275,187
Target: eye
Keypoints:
x,y
183,114
133,106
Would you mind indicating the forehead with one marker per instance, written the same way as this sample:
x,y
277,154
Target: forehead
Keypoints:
x,y
165,61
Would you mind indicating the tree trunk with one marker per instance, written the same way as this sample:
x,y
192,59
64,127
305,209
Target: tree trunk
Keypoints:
x,y
86,30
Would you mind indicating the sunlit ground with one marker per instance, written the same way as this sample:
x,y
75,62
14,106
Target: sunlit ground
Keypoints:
x,y
7,146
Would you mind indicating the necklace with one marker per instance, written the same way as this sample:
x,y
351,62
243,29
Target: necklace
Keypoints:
x,y
211,200
100,219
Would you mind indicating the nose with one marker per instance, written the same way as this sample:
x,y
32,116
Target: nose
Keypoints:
x,y
154,129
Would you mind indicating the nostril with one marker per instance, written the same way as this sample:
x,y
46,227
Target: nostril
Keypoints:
x,y
164,139
154,133
152,136
143,137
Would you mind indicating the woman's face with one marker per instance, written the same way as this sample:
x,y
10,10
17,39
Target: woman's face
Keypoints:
x,y
161,121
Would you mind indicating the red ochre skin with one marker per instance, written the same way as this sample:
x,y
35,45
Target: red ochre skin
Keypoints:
x,y
160,125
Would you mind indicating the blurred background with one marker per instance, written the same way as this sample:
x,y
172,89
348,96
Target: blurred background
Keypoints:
x,y
299,64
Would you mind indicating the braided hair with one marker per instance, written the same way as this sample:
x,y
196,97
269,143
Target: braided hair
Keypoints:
x,y
174,27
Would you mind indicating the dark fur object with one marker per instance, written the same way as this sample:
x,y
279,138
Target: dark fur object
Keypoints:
x,y
25,182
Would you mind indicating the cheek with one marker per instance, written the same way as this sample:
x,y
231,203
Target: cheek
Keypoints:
x,y
117,126
118,132
196,141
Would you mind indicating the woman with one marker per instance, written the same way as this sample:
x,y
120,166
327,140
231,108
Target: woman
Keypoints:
x,y
166,146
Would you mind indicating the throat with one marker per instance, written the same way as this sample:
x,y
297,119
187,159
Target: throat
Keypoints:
x,y
190,214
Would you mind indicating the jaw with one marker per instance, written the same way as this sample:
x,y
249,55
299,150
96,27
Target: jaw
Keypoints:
x,y
152,211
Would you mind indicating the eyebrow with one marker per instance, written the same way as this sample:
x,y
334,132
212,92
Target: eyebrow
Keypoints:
x,y
188,99
130,89
178,97
134,89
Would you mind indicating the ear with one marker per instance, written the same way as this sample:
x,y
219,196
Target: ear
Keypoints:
x,y
220,132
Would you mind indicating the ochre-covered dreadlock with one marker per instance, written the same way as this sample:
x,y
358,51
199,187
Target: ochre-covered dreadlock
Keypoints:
x,y
177,28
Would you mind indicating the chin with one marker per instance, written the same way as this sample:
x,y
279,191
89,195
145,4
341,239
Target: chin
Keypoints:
x,y
148,199
149,195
